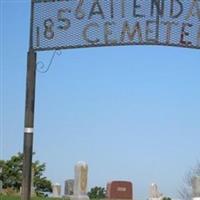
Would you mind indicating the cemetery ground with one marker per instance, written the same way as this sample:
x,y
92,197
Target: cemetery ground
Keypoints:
x,y
76,189
34,198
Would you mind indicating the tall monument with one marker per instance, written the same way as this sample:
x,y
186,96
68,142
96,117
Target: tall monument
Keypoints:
x,y
196,188
154,193
80,181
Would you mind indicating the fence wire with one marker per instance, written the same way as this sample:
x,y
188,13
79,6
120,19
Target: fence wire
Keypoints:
x,y
66,24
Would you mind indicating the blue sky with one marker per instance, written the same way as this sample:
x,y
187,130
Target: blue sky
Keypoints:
x,y
132,113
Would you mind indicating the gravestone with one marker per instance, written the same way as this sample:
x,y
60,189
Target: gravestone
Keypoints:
x,y
33,194
154,192
20,191
69,187
1,182
196,187
119,190
1,187
56,190
80,181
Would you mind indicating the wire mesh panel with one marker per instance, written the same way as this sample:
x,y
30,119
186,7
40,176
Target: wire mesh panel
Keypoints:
x,y
62,24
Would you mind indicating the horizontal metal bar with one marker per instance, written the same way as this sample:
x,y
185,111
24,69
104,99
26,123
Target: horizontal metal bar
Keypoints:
x,y
113,45
46,1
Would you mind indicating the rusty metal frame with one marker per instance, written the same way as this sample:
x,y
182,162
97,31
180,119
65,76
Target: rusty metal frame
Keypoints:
x,y
115,45
101,44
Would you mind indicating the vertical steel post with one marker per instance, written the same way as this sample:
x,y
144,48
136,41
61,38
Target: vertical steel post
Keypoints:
x,y
29,125
29,115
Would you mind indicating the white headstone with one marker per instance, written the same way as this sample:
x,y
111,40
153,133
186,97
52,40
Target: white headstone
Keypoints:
x,y
196,198
154,193
1,182
80,181
196,187
33,194
56,189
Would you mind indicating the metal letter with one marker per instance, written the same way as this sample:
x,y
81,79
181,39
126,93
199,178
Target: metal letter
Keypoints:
x,y
38,36
160,7
111,9
172,8
123,8
191,14
169,31
149,31
198,38
131,35
137,6
62,18
184,33
85,33
107,32
79,13
99,10
48,32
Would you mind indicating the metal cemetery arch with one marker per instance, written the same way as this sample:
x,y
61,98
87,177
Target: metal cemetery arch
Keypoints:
x,y
67,24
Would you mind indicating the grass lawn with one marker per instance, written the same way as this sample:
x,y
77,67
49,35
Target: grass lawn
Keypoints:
x,y
18,198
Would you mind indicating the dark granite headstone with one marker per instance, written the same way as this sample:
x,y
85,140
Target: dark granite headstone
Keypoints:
x,y
69,187
119,190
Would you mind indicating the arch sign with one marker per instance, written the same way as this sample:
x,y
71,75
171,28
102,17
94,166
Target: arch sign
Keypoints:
x,y
65,24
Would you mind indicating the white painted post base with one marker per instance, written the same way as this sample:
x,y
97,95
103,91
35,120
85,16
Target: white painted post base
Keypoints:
x,y
196,198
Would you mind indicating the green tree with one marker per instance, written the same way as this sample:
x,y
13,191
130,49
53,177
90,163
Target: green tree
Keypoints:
x,y
11,175
166,198
12,172
97,193
41,183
